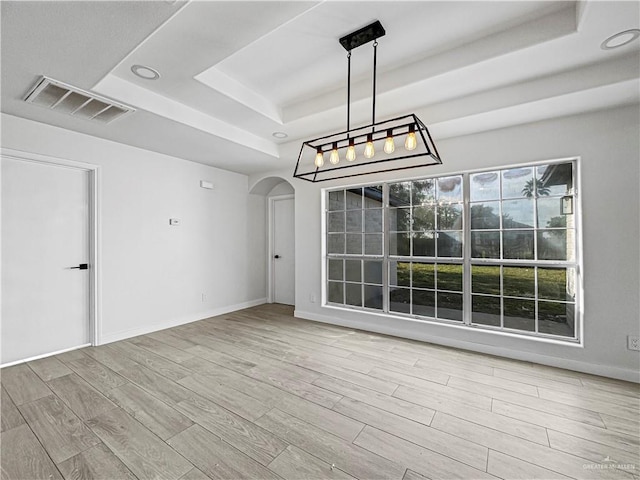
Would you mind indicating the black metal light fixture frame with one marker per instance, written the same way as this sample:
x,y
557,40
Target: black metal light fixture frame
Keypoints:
x,y
423,154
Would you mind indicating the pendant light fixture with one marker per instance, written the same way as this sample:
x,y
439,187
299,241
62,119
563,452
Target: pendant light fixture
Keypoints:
x,y
371,148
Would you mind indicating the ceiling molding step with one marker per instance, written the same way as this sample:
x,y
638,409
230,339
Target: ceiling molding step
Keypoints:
x,y
568,82
223,83
481,51
599,98
581,7
142,98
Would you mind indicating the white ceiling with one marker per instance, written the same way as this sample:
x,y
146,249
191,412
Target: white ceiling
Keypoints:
x,y
233,73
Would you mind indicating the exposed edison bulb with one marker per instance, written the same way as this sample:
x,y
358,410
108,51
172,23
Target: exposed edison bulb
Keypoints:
x,y
411,142
369,151
334,158
319,159
389,144
351,152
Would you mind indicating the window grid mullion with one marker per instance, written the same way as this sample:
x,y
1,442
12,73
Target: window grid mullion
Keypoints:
x,y
500,224
536,228
411,247
467,306
501,297
535,305
385,248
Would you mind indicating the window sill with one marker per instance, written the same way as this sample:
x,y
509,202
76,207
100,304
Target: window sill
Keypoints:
x,y
569,342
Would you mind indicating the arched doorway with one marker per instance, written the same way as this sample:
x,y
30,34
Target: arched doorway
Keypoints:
x,y
280,238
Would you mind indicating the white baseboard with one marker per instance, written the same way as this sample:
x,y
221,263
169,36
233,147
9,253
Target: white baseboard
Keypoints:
x,y
629,375
44,355
134,332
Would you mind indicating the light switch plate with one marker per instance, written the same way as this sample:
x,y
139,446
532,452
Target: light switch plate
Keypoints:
x,y
633,343
174,222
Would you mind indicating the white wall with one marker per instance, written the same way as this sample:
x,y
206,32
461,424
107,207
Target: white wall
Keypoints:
x,y
608,144
153,275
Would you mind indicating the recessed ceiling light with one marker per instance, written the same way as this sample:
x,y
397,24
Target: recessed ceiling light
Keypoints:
x,y
147,73
620,39
280,135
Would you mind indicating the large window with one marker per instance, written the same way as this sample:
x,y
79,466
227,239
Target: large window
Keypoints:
x,y
494,249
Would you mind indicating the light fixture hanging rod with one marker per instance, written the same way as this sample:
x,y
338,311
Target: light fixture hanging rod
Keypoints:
x,y
373,109
348,92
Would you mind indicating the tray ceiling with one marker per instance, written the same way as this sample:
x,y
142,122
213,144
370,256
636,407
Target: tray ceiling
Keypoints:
x,y
233,73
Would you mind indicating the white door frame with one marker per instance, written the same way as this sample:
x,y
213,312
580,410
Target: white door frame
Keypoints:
x,y
94,230
270,242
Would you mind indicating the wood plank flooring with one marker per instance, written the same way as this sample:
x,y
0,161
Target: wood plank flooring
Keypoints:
x,y
258,394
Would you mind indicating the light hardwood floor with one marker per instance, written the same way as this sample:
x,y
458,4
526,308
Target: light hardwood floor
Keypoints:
x,y
258,394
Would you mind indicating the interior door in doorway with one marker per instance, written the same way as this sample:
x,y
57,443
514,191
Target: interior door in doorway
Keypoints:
x,y
283,251
45,239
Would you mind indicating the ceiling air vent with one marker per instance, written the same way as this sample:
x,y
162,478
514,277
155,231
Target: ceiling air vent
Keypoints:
x,y
64,98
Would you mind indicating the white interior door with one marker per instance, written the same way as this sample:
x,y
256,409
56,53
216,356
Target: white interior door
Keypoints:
x,y
45,232
283,255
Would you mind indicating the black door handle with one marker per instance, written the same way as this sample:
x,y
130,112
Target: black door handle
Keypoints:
x,y
276,256
82,266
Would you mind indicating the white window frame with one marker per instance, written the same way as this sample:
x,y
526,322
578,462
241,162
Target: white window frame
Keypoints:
x,y
466,260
